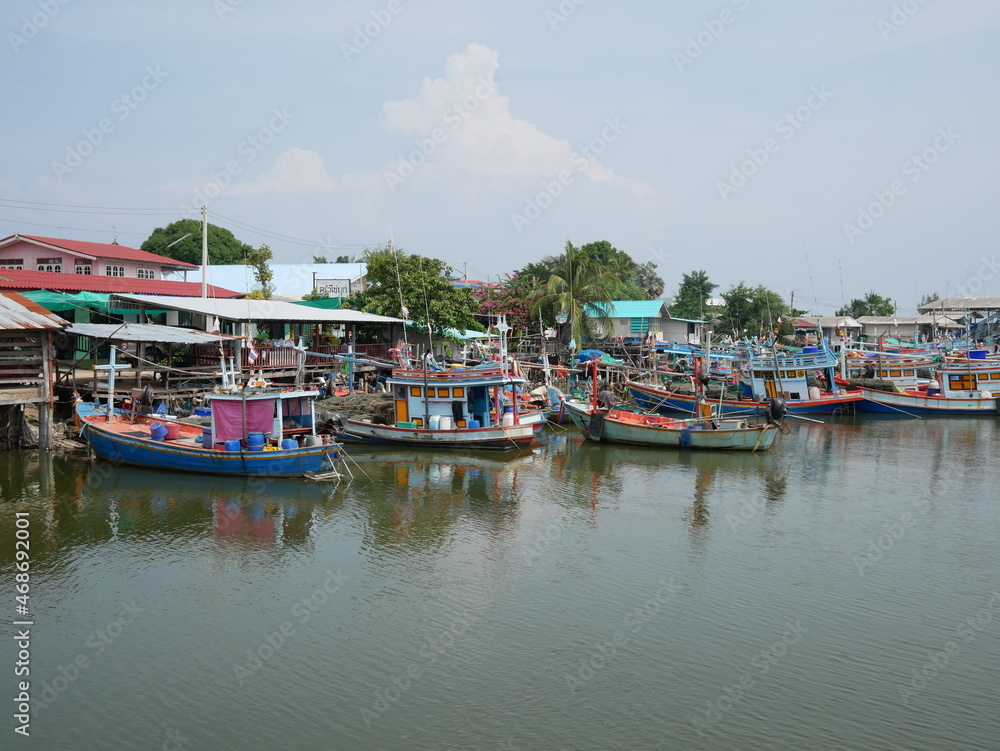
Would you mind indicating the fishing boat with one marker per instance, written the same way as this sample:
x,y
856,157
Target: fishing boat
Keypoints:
x,y
452,408
959,387
623,425
805,381
256,430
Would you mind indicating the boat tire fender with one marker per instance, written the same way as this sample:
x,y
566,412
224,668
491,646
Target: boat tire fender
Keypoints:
x,y
776,410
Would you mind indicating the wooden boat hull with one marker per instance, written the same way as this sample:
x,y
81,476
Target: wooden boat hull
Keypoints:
x,y
498,438
654,398
129,443
916,403
688,436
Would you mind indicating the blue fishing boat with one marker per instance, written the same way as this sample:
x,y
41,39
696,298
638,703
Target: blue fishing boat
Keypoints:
x,y
961,386
806,381
255,431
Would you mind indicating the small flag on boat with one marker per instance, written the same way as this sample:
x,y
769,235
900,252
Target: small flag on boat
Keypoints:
x,y
406,312
216,326
252,356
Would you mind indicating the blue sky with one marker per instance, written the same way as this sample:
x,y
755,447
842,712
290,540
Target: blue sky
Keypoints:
x,y
826,148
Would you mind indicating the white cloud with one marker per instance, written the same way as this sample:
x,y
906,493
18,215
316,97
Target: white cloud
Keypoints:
x,y
462,121
295,170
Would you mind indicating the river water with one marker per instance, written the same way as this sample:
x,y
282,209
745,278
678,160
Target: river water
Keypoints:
x,y
842,592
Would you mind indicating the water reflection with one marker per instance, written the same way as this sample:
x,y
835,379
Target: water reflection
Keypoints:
x,y
415,497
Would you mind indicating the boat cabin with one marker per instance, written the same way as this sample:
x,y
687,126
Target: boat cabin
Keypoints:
x,y
277,414
970,380
458,398
787,376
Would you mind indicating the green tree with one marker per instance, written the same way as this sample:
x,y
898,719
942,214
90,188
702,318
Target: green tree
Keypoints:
x,y
580,288
928,299
425,284
754,311
649,281
537,271
259,259
872,304
344,259
692,296
223,247
320,259
621,269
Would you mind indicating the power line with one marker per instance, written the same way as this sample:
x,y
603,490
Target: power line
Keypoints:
x,y
75,229
286,238
64,208
94,211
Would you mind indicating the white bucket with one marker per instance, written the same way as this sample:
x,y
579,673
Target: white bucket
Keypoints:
x,y
445,423
434,423
507,420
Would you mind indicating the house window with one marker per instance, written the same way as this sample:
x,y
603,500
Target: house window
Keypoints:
x,y
49,264
83,270
114,271
638,325
147,274
11,263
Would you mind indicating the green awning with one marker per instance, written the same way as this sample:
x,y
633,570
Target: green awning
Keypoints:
x,y
327,303
62,302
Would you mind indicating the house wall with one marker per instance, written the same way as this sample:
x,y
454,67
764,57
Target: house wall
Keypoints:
x,y
623,326
681,332
30,256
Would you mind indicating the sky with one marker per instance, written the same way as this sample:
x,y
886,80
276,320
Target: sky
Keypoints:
x,y
821,149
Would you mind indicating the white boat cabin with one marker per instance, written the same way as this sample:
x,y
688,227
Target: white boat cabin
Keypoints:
x,y
787,376
452,399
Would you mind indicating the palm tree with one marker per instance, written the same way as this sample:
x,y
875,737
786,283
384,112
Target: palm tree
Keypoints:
x,y
581,290
647,278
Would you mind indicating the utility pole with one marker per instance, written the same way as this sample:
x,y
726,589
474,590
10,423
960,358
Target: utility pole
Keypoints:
x,y
204,251
465,264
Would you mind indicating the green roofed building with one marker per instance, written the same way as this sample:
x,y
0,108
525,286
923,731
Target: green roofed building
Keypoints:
x,y
640,318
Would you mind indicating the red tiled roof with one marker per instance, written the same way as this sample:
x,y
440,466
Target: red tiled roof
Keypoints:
x,y
103,250
25,280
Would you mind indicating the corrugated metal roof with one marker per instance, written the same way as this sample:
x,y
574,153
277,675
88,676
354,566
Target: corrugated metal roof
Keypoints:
x,y
962,303
145,332
18,313
256,310
941,321
27,280
630,309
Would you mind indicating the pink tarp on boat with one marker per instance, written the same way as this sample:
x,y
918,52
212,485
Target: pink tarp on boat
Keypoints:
x,y
228,417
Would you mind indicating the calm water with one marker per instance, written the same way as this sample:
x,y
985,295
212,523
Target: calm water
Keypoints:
x,y
841,593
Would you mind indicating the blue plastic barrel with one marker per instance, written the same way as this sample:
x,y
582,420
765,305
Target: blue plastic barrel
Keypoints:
x,y
978,354
473,424
434,423
232,446
157,431
255,441
289,443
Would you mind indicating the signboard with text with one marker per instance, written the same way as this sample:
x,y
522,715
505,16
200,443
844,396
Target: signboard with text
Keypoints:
x,y
336,287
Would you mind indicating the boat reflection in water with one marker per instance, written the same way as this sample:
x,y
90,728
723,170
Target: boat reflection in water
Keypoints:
x,y
416,497
256,512
606,469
